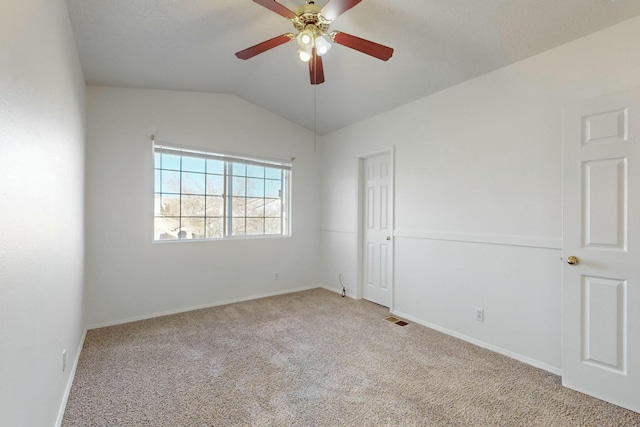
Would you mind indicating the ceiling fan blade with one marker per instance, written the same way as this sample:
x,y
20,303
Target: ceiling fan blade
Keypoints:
x,y
365,46
252,51
335,8
276,7
316,71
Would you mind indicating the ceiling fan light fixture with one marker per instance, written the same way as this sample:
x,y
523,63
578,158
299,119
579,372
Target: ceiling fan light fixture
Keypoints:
x,y
306,38
304,54
322,46
313,36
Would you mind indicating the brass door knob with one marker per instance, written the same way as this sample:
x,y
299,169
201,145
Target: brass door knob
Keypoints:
x,y
388,237
573,260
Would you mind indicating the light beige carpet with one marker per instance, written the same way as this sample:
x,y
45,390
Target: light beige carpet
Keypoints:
x,y
311,359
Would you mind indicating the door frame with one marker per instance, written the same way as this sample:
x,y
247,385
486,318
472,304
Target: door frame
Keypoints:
x,y
360,220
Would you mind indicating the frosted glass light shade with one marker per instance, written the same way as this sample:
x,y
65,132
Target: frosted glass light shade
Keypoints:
x,y
305,38
305,55
322,46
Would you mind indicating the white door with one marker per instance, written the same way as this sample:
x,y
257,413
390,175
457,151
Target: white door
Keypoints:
x,y
377,228
601,229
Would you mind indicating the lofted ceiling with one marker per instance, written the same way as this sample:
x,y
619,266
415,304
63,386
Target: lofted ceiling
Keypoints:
x,y
190,44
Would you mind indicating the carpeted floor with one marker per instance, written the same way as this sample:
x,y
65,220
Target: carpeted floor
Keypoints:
x,y
311,359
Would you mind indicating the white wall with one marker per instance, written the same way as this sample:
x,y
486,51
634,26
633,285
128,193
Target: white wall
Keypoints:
x,y
41,209
478,194
129,276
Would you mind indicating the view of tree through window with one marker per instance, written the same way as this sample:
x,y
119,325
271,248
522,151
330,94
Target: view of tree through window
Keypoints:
x,y
212,196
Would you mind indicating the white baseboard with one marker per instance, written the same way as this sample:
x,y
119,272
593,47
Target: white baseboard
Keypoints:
x,y
72,375
197,307
336,290
474,341
499,350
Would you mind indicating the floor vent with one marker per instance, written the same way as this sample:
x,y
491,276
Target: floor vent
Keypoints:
x,y
396,321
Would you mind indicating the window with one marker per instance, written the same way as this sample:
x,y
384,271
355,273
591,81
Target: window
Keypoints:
x,y
200,195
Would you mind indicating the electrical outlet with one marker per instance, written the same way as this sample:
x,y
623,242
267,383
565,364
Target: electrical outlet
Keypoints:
x,y
480,314
275,277
64,360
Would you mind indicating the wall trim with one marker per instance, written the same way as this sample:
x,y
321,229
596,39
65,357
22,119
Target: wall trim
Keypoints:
x,y
479,343
72,375
332,229
198,307
491,239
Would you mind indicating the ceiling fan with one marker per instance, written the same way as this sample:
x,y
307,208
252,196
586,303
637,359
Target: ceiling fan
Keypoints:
x,y
312,24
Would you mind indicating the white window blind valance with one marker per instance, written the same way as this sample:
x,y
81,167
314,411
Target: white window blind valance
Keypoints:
x,y
225,157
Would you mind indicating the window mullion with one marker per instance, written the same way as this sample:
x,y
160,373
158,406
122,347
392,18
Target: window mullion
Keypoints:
x,y
246,198
228,207
282,195
180,214
204,193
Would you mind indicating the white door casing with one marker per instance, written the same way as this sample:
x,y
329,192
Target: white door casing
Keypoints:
x,y
601,227
377,228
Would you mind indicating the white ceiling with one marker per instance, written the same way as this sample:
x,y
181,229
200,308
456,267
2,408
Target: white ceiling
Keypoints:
x,y
190,45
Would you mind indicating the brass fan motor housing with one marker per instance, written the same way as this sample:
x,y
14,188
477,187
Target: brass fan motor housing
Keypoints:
x,y
309,16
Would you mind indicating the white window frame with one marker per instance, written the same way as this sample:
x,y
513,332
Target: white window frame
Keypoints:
x,y
228,159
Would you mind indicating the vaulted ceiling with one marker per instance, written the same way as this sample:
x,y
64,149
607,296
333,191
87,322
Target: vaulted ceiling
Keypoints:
x,y
190,45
